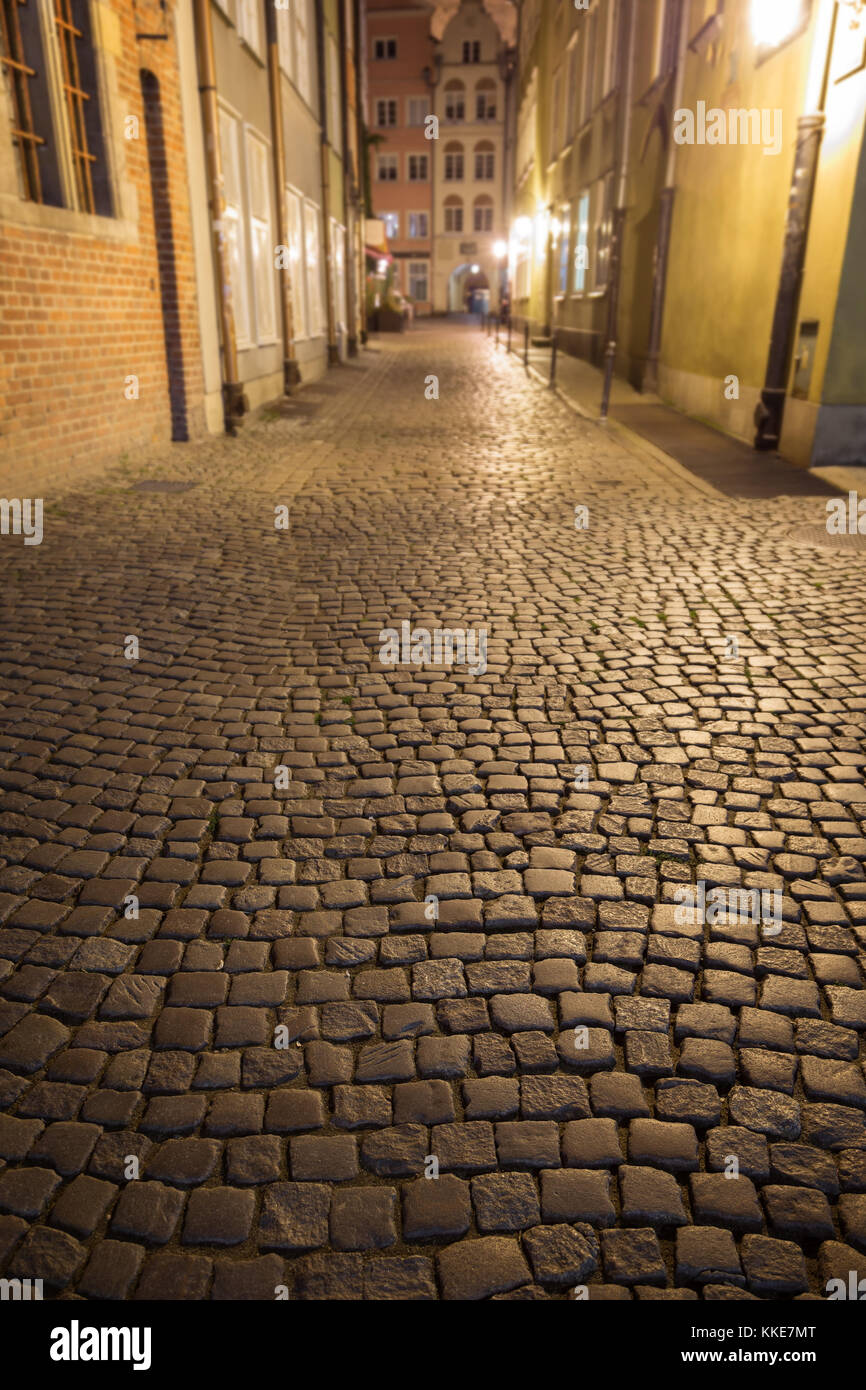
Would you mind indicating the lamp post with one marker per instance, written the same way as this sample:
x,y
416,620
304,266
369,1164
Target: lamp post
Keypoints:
x,y
770,28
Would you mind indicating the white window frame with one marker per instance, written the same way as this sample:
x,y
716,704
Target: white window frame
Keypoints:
x,y
563,251
450,156
603,231
611,49
386,218
295,215
453,212
261,237
580,273
418,235
488,210
425,270
390,106
234,223
313,267
484,160
392,161
419,178
413,105
249,25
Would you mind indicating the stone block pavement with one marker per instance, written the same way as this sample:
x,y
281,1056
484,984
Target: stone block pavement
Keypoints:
x,y
285,931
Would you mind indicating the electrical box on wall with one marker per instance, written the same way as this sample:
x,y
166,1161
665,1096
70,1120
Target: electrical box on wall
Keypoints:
x,y
804,359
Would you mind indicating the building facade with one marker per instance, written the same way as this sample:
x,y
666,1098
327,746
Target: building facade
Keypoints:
x,y
688,198
399,56
470,174
100,344
180,214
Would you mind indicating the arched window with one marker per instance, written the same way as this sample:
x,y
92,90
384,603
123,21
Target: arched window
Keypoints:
x,y
482,213
453,162
485,100
455,100
453,214
485,161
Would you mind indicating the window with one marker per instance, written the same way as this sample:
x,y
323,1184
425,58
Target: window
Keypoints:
x,y
418,168
296,256
261,238
611,48
392,223
453,215
386,168
453,162
485,100
482,214
338,260
233,225
249,26
604,229
588,84
418,109
335,90
564,245
419,224
312,242
293,45
418,281
581,247
555,113
303,50
572,82
522,257
472,51
455,101
386,111
54,106
665,37
384,49
485,160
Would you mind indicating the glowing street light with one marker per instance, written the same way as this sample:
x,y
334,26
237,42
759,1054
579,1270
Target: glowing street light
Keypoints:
x,y
774,21
500,250
474,269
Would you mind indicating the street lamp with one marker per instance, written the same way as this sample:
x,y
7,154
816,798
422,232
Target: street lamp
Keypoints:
x,y
500,250
774,21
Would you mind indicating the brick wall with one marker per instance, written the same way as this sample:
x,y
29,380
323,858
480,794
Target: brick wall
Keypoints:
x,y
79,313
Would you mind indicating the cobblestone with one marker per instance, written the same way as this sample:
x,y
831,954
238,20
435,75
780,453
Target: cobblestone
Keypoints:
x,y
421,1017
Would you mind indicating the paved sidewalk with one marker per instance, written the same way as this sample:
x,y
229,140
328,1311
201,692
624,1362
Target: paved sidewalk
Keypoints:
x,y
359,980
725,464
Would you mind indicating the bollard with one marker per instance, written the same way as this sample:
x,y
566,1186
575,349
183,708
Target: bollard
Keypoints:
x,y
508,338
526,345
552,381
497,330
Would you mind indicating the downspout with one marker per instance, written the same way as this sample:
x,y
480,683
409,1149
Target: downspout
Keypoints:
x,y
619,216
325,158
360,107
666,213
433,73
770,410
350,195
235,403
291,371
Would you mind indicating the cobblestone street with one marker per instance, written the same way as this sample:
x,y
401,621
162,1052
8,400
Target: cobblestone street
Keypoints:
x,y
324,978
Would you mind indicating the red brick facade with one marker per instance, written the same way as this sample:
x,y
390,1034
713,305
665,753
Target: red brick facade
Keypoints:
x,y
87,302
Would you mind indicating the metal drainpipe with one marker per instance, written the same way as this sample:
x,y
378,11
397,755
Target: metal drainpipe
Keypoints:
x,y
325,154
350,196
291,371
235,403
770,410
618,228
666,213
364,211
